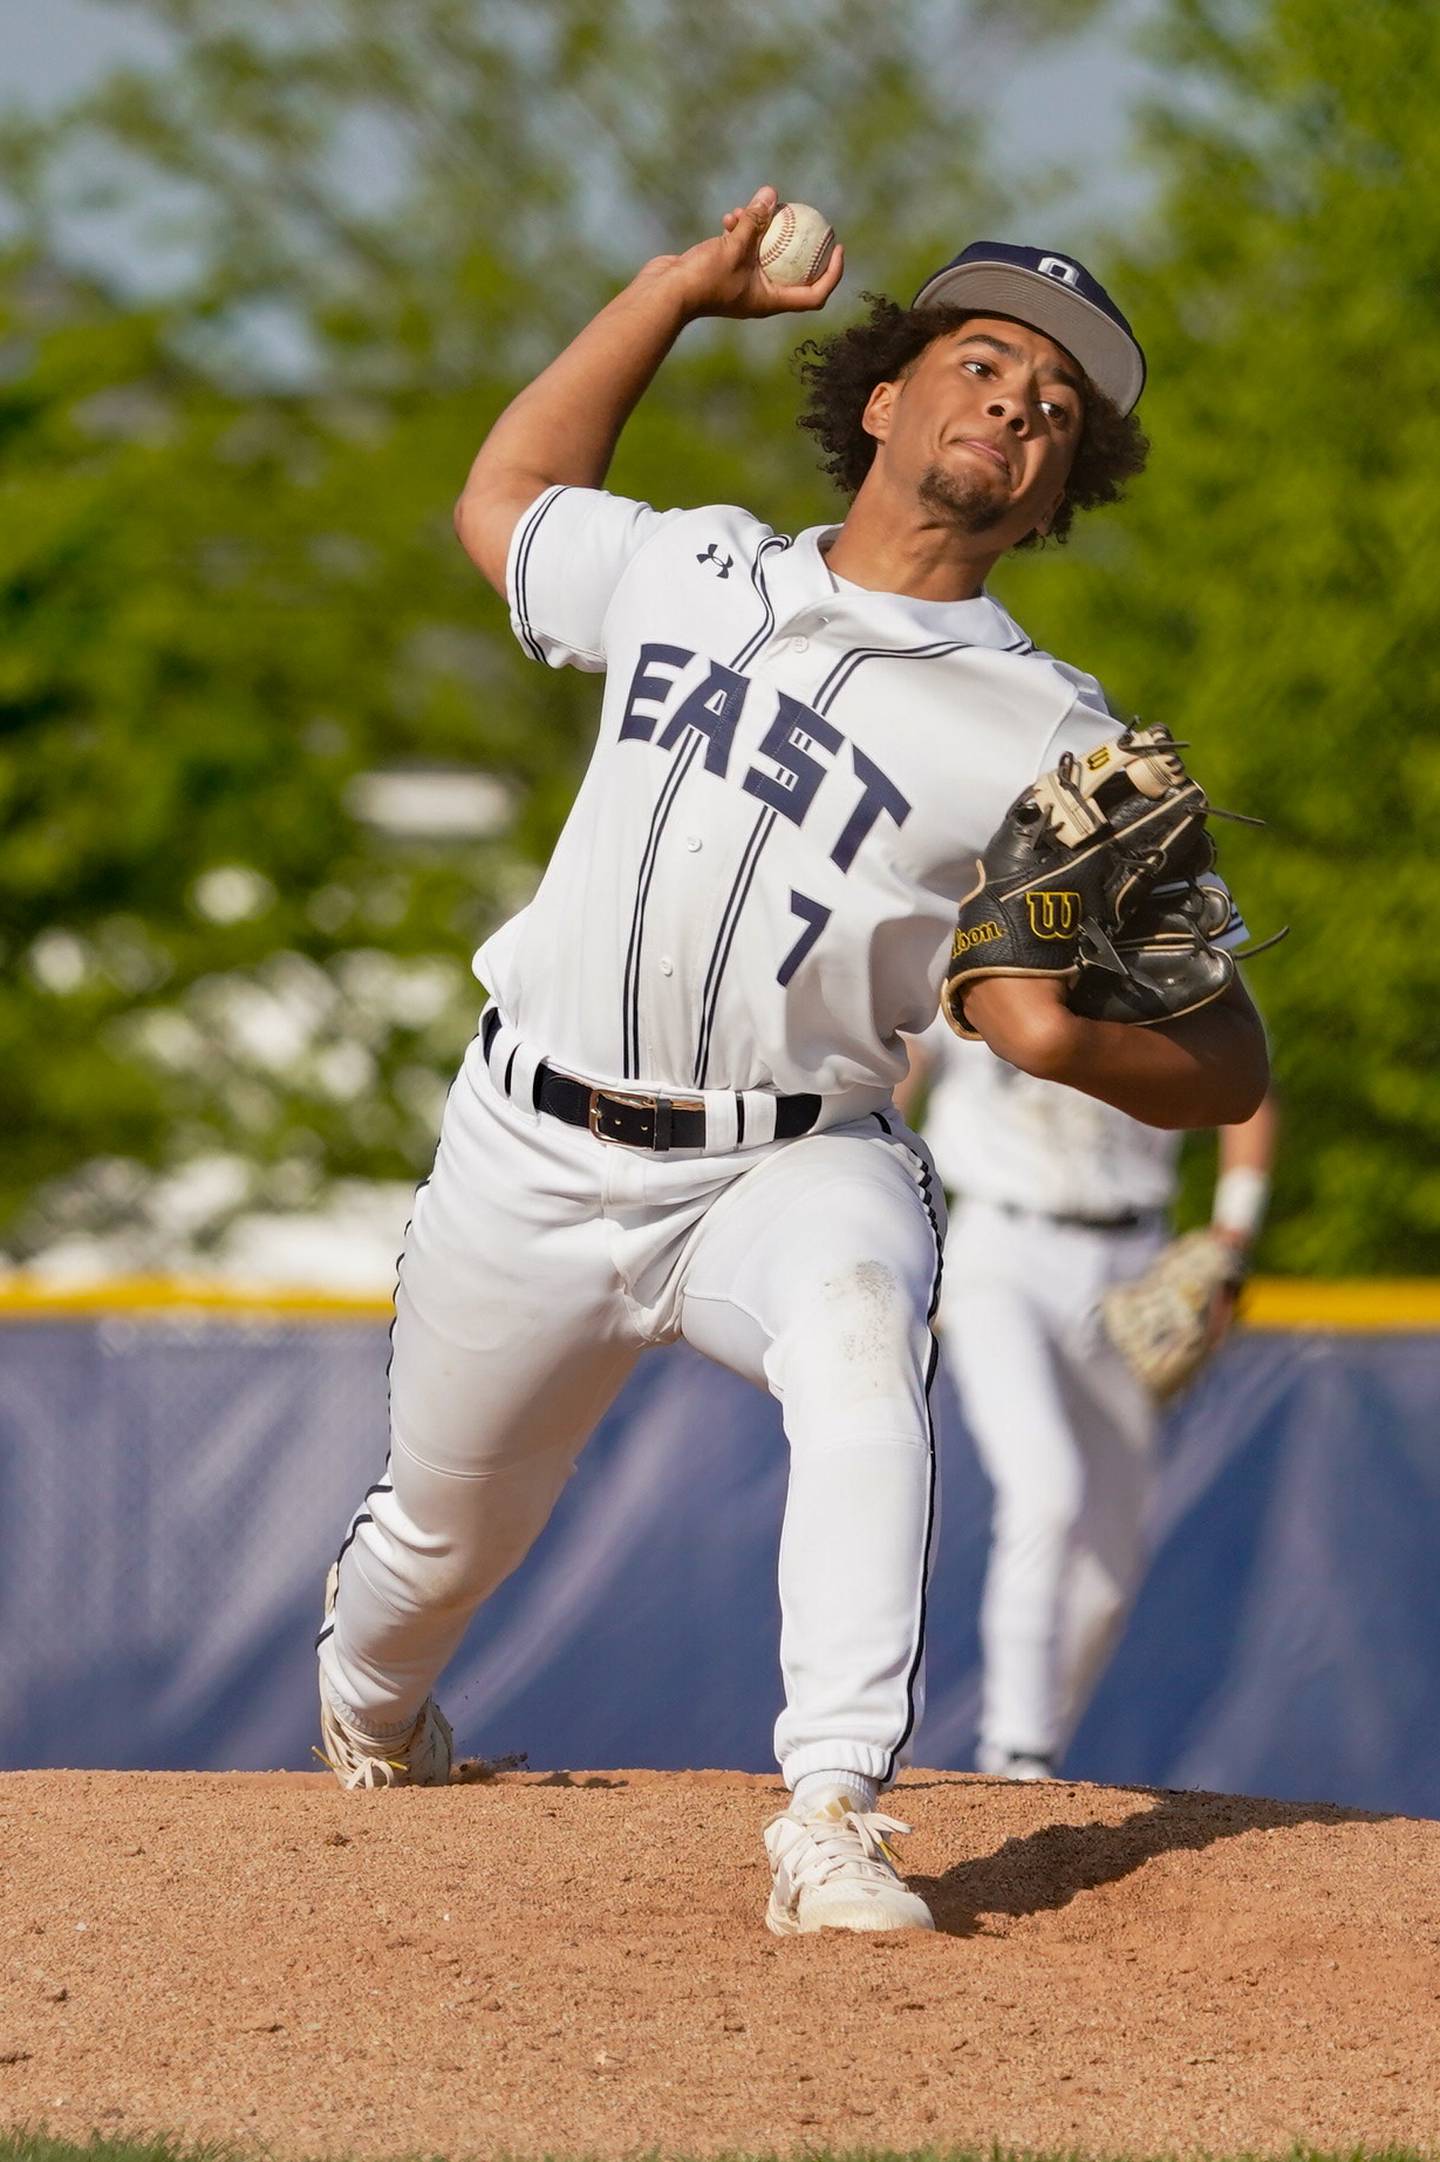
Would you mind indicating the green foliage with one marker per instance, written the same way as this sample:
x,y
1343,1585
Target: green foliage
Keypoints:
x,y
192,666
1273,591
258,309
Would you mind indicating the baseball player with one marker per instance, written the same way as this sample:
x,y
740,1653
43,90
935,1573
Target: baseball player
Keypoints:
x,y
1056,1200
676,1118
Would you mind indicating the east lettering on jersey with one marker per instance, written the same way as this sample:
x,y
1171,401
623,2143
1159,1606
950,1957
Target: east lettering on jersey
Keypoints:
x,y
797,750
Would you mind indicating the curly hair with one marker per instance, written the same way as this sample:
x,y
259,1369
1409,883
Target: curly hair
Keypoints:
x,y
839,374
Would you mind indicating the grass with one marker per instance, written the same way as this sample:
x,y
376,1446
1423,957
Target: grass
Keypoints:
x,y
23,2146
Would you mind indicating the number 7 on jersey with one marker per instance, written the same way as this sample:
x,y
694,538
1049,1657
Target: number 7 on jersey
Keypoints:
x,y
814,918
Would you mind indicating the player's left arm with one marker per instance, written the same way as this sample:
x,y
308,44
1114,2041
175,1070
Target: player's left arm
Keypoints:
x,y
1209,1068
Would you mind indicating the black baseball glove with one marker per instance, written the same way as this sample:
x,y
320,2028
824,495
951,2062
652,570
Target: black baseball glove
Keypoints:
x,y
1163,961
1095,876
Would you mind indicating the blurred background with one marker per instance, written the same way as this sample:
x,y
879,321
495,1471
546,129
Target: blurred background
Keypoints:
x,y
271,764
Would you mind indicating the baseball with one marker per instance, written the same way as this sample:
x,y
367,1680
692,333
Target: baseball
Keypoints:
x,y
797,244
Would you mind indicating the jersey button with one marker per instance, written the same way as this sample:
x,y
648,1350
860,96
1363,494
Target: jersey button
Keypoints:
x,y
800,645
693,843
667,966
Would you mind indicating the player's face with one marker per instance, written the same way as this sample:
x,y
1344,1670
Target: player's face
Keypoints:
x,y
984,428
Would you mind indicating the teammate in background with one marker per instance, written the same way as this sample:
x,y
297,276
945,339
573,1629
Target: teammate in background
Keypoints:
x,y
676,1119
1056,1198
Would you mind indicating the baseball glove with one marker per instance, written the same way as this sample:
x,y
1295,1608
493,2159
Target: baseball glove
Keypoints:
x,y
1094,877
1166,1323
1162,961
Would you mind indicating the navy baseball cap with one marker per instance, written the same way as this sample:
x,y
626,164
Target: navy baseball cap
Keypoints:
x,y
1052,293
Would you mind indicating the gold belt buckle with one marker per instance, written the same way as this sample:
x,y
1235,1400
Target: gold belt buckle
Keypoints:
x,y
599,1098
617,1096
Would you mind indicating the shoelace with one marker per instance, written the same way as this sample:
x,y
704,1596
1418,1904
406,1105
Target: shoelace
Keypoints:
x,y
361,1767
855,1841
365,1771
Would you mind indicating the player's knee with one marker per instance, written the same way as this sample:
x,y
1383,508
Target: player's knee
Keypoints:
x,y
864,1337
453,1579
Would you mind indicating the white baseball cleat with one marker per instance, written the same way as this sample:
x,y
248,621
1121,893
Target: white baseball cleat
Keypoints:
x,y
833,1870
1023,1767
1015,1764
421,1758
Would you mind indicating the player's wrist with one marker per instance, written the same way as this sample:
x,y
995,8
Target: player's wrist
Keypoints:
x,y
667,285
1025,1021
1241,1196
1236,1249
702,282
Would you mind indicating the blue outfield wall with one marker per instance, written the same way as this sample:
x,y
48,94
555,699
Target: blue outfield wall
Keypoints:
x,y
174,1487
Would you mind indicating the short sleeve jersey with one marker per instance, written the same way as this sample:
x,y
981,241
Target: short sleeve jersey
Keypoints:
x,y
1003,1136
756,886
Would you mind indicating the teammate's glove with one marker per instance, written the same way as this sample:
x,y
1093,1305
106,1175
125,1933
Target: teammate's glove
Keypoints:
x,y
1066,876
1166,1323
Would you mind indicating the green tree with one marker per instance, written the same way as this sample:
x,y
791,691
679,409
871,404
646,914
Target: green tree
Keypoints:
x,y
1273,590
258,306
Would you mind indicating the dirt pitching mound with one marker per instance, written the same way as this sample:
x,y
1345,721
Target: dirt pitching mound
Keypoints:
x,y
578,1964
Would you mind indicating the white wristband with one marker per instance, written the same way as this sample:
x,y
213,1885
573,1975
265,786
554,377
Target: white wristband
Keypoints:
x,y
1240,1197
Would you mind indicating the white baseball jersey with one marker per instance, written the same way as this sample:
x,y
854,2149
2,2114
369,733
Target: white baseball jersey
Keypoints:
x,y
757,883
1000,1135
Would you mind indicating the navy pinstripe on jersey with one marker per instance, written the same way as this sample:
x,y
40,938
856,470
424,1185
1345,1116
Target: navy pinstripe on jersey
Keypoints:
x,y
535,519
847,664
752,646
630,990
725,936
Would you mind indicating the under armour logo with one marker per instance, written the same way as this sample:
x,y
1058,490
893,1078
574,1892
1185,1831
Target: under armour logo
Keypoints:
x,y
723,564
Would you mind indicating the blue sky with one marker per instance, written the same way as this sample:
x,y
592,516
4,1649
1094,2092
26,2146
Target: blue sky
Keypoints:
x,y
1070,106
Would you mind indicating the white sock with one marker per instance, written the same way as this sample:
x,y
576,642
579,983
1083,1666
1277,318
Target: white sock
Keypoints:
x,y
366,1730
815,1789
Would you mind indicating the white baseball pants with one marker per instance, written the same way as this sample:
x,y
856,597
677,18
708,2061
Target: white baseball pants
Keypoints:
x,y
540,1263
1067,1437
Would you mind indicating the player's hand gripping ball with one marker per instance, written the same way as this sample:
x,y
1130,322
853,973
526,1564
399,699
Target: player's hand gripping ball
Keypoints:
x,y
797,244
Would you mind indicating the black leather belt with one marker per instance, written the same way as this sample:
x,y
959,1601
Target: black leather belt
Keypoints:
x,y
1126,1220
642,1121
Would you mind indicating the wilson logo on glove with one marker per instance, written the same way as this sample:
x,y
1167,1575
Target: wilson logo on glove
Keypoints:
x,y
1053,915
979,934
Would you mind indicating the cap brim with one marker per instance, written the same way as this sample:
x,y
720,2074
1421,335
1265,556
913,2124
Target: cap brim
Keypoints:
x,y
1112,360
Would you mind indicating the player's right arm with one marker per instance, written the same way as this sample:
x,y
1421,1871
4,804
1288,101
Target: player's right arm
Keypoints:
x,y
562,428
1208,1068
